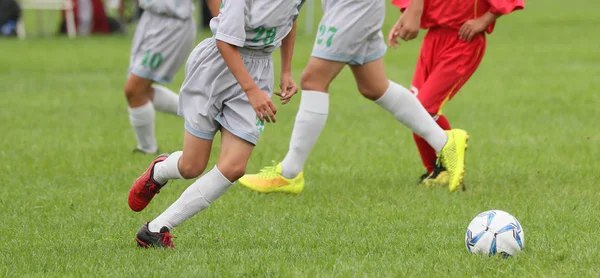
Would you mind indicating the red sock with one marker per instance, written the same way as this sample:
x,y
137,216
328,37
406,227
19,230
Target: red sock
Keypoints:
x,y
428,156
443,122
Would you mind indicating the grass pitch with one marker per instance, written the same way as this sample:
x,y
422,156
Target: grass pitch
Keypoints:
x,y
530,110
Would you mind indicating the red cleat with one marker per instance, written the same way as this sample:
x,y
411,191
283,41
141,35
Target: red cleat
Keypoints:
x,y
144,188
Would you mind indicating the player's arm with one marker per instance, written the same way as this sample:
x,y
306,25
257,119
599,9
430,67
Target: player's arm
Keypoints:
x,y
264,108
230,35
416,6
213,7
287,85
497,9
408,25
475,26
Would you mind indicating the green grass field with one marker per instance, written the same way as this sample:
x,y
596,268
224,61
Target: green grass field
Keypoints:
x,y
530,109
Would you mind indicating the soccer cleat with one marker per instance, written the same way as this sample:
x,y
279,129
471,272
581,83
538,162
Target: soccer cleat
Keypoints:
x,y
147,239
423,177
437,178
145,187
271,180
452,157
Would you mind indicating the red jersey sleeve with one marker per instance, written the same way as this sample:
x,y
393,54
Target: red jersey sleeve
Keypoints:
x,y
402,4
505,6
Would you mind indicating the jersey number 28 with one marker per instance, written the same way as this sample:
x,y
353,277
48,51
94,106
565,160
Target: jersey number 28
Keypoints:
x,y
269,35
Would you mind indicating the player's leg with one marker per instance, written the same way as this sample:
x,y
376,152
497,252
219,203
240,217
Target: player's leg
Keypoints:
x,y
200,126
452,67
138,89
399,101
432,94
141,112
155,58
329,56
143,98
189,163
437,90
428,155
234,156
342,30
312,114
406,108
425,64
440,87
186,164
435,176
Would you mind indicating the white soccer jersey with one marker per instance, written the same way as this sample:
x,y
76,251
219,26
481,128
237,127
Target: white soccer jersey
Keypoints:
x,y
255,24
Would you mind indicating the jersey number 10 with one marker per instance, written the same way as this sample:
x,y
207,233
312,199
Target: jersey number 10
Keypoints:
x,y
152,60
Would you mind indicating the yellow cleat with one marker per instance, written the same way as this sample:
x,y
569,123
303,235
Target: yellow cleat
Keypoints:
x,y
437,179
452,157
271,180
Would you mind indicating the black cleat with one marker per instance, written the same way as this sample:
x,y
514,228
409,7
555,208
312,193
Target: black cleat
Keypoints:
x,y
145,238
438,178
423,177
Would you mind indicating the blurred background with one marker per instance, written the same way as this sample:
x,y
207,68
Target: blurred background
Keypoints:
x,y
25,18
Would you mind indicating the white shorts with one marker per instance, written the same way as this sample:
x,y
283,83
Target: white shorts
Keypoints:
x,y
350,31
211,97
160,46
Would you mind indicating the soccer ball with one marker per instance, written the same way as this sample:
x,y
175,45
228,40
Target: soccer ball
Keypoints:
x,y
495,232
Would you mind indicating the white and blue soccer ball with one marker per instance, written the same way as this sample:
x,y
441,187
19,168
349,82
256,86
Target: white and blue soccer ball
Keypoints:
x,y
495,232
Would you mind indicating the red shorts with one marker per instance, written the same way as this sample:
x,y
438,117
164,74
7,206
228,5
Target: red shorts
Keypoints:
x,y
445,64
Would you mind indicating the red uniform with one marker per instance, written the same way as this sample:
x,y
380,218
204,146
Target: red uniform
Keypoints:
x,y
446,62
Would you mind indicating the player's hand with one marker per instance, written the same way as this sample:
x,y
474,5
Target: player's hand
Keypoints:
x,y
288,88
262,104
471,28
407,28
393,35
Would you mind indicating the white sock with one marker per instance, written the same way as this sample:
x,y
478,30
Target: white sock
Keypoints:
x,y
407,109
142,121
310,120
165,100
198,196
167,169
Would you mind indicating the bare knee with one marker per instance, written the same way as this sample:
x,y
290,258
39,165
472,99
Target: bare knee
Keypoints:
x,y
365,91
371,91
136,94
132,91
190,170
310,81
232,172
